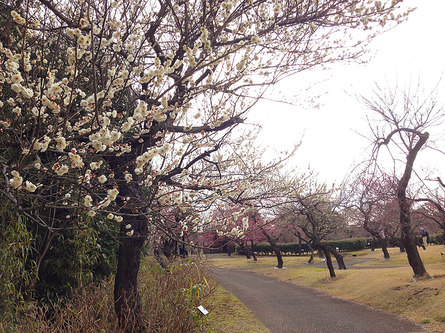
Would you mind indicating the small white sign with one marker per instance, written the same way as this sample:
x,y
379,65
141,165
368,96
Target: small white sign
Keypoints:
x,y
203,310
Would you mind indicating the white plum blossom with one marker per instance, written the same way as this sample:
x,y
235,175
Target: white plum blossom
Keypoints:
x,y
128,177
60,169
16,181
102,179
88,201
30,187
112,194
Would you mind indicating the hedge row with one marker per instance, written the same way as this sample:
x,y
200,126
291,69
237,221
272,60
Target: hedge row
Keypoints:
x,y
344,245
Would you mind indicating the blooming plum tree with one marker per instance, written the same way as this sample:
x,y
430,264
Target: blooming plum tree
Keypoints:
x,y
118,109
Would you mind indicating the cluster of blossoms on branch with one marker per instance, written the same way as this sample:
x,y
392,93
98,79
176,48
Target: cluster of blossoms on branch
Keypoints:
x,y
121,110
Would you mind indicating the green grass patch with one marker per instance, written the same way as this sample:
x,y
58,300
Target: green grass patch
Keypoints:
x,y
229,315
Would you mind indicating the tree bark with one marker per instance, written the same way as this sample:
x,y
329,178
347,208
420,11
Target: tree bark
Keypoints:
x,y
253,251
277,251
311,258
382,241
328,260
126,295
384,245
338,258
408,239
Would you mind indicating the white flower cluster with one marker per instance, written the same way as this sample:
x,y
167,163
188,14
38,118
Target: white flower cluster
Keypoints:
x,y
60,169
144,159
76,160
16,181
140,113
30,187
17,18
42,145
104,138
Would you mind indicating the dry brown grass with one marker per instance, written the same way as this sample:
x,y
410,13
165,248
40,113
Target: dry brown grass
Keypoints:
x,y
169,299
380,285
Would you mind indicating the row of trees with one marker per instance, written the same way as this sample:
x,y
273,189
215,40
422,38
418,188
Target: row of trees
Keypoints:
x,y
388,198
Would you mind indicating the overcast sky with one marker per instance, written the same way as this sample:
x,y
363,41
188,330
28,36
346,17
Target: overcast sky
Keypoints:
x,y
411,51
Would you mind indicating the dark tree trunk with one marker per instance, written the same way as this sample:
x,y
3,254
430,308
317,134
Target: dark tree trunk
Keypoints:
x,y
399,245
328,260
382,241
245,249
414,259
126,296
299,243
253,251
311,257
277,251
384,245
408,239
338,257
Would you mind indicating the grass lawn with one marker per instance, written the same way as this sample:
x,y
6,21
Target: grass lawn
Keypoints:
x,y
383,284
229,315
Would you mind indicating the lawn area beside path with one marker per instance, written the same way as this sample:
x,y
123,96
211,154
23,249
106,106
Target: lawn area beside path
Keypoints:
x,y
229,315
369,279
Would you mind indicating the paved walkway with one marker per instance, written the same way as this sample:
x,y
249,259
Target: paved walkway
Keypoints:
x,y
287,308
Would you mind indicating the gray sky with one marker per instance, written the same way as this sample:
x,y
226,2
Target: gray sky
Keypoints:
x,y
411,51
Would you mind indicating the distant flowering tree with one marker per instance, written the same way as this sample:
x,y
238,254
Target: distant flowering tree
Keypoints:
x,y
118,109
317,212
371,198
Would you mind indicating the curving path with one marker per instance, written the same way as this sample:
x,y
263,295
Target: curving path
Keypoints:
x,y
287,308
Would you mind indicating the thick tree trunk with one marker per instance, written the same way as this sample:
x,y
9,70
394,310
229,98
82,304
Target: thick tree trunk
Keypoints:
x,y
384,245
277,251
328,260
126,296
415,261
408,239
338,258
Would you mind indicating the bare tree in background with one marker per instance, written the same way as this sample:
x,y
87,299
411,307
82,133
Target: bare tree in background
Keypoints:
x,y
403,119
